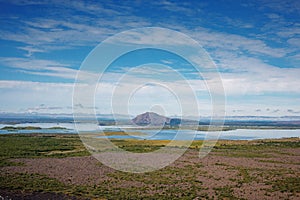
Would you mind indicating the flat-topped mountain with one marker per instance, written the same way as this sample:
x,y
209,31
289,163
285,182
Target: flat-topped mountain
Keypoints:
x,y
150,118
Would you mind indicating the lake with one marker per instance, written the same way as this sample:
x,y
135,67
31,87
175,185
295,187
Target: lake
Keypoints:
x,y
238,134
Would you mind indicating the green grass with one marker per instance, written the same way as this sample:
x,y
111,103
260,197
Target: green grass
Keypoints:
x,y
254,149
225,193
30,182
57,127
28,146
149,186
48,145
286,144
215,128
288,184
110,133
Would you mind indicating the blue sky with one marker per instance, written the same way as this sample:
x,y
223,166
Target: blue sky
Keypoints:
x,y
254,44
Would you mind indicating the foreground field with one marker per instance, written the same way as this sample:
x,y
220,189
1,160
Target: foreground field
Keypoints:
x,y
59,167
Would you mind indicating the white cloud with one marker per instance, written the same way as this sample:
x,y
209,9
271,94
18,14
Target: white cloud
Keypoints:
x,y
178,7
24,94
288,32
97,22
152,36
235,43
252,76
168,62
40,67
295,42
30,64
291,6
46,68
31,50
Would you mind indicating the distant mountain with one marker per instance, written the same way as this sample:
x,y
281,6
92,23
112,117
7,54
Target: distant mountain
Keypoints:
x,y
150,118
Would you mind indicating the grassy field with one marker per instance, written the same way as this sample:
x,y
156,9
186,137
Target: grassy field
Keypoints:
x,y
49,164
38,146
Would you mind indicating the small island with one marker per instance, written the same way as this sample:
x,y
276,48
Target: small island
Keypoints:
x,y
13,128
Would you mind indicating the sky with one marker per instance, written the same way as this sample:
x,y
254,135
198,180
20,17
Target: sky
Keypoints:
x,y
255,46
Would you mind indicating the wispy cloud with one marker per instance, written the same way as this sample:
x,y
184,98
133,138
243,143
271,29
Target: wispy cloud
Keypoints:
x,y
40,67
178,7
168,62
235,43
46,68
31,50
95,23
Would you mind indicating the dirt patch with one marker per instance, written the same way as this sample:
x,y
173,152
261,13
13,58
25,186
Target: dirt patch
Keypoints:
x,y
71,170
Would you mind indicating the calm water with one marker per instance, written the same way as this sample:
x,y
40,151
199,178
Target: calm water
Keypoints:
x,y
239,134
